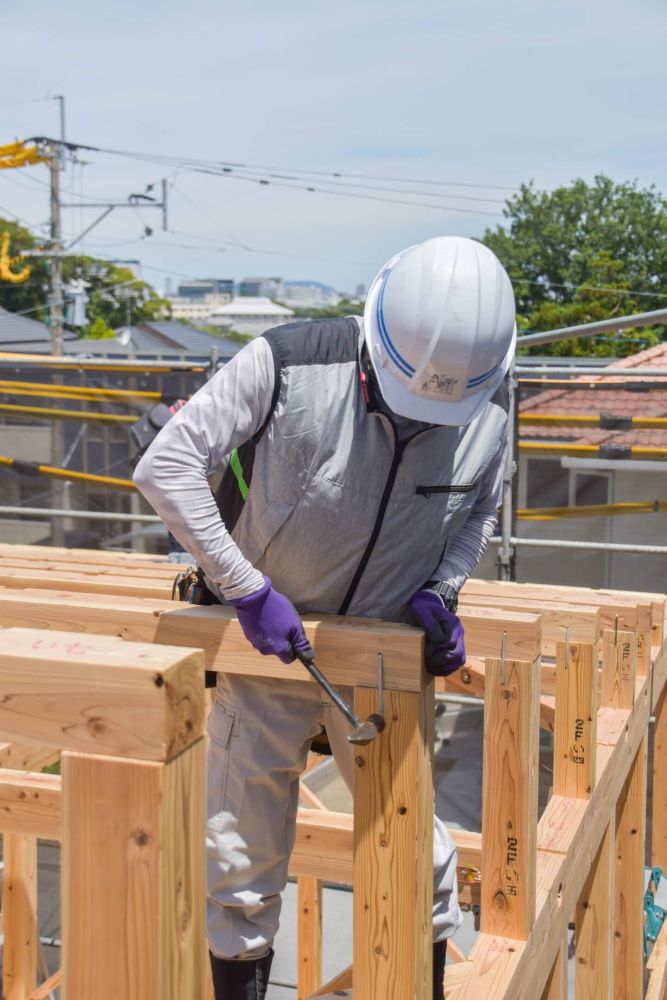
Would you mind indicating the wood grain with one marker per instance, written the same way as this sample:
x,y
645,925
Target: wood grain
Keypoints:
x,y
659,778
393,850
100,695
309,937
556,988
628,954
594,925
19,913
617,683
133,877
575,724
509,797
30,804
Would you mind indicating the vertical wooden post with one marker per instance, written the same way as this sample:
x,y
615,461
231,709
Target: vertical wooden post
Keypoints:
x,y
594,925
309,930
659,787
19,912
575,723
629,883
133,877
556,988
618,669
509,797
393,849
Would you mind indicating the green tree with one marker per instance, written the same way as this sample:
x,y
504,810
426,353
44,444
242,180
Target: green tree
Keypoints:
x,y
560,246
108,287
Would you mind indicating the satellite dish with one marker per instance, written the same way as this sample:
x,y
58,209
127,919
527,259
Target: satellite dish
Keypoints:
x,y
124,336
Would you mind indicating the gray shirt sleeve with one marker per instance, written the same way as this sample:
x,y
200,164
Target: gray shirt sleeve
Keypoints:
x,y
465,550
173,474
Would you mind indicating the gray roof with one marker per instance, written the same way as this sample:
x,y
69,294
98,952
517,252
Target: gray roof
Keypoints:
x,y
161,339
18,333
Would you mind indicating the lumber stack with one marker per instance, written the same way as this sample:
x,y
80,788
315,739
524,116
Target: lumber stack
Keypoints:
x,y
100,665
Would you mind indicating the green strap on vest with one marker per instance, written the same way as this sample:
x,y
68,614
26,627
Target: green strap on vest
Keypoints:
x,y
235,466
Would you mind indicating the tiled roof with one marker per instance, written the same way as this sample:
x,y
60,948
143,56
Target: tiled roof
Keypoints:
x,y
18,333
616,401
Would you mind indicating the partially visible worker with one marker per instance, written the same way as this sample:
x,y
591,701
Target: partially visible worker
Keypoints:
x,y
361,472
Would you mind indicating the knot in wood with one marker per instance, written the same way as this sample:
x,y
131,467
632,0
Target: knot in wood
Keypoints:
x,y
140,838
96,726
359,761
499,901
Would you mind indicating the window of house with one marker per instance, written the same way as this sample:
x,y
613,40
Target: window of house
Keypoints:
x,y
547,483
590,489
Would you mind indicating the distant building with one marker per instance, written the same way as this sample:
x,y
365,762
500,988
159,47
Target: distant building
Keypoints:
x,y
201,289
257,287
251,314
309,295
197,310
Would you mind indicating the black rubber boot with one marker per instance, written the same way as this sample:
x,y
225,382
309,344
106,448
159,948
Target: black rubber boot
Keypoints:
x,y
439,956
233,980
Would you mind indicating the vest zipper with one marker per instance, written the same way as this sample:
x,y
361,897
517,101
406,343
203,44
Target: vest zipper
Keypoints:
x,y
399,448
426,491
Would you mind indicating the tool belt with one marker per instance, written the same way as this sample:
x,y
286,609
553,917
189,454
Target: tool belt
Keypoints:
x,y
189,586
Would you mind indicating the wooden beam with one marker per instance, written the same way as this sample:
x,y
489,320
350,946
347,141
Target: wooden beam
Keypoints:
x,y
517,971
617,687
133,877
81,583
23,757
471,681
335,986
584,621
30,804
19,914
556,988
509,797
657,967
628,956
393,849
44,991
659,784
594,925
346,648
575,725
309,936
98,695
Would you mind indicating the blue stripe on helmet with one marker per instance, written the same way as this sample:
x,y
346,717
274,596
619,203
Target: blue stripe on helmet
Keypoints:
x,y
391,350
478,379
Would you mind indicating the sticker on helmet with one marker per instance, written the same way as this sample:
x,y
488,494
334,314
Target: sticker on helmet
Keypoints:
x,y
443,385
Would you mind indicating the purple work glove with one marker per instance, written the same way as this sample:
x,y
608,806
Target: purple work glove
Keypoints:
x,y
271,623
445,651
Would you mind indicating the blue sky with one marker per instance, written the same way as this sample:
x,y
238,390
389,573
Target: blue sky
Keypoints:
x,y
467,91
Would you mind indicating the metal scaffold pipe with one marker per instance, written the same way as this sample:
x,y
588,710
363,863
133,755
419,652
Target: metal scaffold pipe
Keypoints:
x,y
653,318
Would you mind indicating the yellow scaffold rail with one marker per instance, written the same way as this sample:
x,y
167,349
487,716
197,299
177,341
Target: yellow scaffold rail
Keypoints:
x,y
549,448
602,420
35,468
14,387
51,412
56,393
592,510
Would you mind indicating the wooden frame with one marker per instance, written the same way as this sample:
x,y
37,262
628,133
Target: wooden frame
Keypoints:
x,y
584,857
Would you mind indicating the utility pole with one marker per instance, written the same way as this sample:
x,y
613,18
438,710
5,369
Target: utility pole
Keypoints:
x,y
55,253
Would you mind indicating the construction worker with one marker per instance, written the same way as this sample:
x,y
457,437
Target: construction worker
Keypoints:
x,y
361,470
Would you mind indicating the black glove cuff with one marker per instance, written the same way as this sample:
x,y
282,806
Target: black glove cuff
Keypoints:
x,y
448,595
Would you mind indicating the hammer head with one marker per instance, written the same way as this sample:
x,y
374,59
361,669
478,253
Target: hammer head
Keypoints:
x,y
367,731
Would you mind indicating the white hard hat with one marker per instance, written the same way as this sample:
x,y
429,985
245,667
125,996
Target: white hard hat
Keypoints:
x,y
439,323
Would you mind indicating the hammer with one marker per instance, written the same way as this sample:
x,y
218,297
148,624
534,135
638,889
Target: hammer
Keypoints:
x,y
364,732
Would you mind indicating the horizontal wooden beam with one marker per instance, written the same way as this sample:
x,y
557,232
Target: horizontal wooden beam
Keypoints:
x,y
346,647
98,695
584,621
31,804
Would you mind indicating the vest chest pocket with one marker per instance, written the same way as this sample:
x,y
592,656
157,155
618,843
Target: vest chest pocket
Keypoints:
x,y
460,488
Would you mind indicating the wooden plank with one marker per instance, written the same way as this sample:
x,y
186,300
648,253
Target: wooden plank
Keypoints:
x,y
628,956
19,913
584,621
335,986
95,695
617,682
44,991
346,648
471,680
80,583
485,627
133,877
309,937
657,966
78,555
659,786
30,804
24,757
509,797
519,971
393,850
163,573
594,925
556,988
575,725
